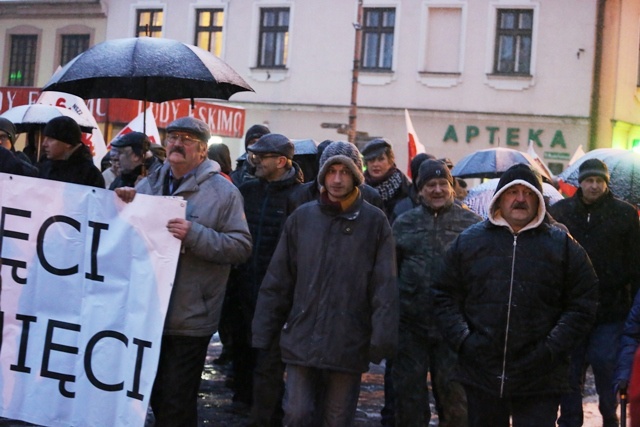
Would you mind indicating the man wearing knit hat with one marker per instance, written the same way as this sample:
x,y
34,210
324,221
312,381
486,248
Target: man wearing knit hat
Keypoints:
x,y
609,230
258,375
68,159
214,236
334,313
311,190
513,298
422,235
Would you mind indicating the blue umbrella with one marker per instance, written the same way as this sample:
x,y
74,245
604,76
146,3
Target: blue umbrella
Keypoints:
x,y
493,162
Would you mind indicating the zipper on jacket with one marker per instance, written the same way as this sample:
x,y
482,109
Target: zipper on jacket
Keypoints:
x,y
506,332
588,217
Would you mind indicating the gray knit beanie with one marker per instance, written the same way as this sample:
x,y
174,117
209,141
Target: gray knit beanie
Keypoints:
x,y
345,153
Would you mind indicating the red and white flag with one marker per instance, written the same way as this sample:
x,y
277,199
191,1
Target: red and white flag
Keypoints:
x,y
150,128
414,145
95,140
532,152
579,153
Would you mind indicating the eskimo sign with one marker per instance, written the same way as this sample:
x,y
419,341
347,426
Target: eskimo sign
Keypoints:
x,y
86,281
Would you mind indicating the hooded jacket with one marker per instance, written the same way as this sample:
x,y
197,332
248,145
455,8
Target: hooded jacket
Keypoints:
x,y
219,236
609,231
514,305
330,289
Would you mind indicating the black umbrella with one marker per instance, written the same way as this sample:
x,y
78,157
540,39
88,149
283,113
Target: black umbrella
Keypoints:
x,y
147,69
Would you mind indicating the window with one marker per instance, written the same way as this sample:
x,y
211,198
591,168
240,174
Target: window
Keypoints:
x,y
377,38
149,23
72,46
513,42
22,61
209,30
274,37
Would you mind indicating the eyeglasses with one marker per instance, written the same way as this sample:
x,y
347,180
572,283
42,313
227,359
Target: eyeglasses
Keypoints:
x,y
187,140
255,159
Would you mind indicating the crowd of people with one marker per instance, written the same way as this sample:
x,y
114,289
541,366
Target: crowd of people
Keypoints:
x,y
312,278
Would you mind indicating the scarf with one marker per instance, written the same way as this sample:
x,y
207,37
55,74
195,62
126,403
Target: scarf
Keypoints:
x,y
339,206
388,185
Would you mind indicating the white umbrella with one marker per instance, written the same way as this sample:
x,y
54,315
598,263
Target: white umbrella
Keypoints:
x,y
478,197
35,116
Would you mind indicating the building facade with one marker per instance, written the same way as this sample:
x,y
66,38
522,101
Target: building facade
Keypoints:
x,y
473,74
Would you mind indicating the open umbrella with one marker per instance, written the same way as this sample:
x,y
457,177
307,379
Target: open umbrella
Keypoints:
x,y
147,69
34,116
478,197
493,162
624,168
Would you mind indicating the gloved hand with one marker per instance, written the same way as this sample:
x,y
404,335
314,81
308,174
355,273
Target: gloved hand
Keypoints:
x,y
622,386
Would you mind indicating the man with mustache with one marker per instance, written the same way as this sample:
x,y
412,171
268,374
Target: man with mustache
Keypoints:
x,y
514,297
609,230
214,236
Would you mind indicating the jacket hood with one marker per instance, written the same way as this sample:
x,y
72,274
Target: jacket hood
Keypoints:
x,y
495,216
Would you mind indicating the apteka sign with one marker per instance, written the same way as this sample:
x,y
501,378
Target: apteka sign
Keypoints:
x,y
86,281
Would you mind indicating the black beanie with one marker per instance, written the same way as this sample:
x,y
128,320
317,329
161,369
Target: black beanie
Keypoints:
x,y
64,129
8,127
414,165
593,167
255,132
522,172
430,169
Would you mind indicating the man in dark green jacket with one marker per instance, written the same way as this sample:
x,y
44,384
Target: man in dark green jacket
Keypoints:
x,y
422,235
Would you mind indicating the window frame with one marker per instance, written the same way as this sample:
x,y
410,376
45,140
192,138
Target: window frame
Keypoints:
x,y
380,30
277,60
517,34
210,29
86,42
141,31
29,62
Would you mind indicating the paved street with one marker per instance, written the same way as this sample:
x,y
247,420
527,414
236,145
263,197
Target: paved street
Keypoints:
x,y
215,407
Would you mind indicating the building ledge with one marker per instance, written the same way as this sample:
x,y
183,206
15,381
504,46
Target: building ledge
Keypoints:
x,y
509,82
439,80
50,9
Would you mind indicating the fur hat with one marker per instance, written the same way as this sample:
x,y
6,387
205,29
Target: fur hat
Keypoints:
x,y
375,148
8,127
255,132
64,129
430,169
344,153
138,141
593,167
191,125
273,143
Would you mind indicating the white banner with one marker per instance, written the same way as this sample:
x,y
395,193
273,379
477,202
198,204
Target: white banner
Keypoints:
x,y
86,280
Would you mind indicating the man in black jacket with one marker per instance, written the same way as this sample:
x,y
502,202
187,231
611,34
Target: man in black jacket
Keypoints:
x,y
265,206
68,159
609,230
514,298
134,158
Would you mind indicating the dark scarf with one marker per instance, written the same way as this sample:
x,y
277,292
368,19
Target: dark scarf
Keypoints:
x,y
388,185
341,206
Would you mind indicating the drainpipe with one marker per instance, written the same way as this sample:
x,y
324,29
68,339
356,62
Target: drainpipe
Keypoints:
x,y
353,110
597,74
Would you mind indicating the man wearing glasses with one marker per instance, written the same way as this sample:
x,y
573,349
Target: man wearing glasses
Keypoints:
x,y
214,236
258,374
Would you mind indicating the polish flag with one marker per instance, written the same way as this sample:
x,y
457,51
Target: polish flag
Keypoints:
x,y
532,152
94,140
138,125
414,145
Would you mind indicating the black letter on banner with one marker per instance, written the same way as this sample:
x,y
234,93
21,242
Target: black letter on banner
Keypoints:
x,y
135,393
51,346
24,339
51,269
95,242
89,353
16,235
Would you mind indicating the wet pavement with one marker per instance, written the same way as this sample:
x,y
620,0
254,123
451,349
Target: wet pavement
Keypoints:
x,y
215,408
